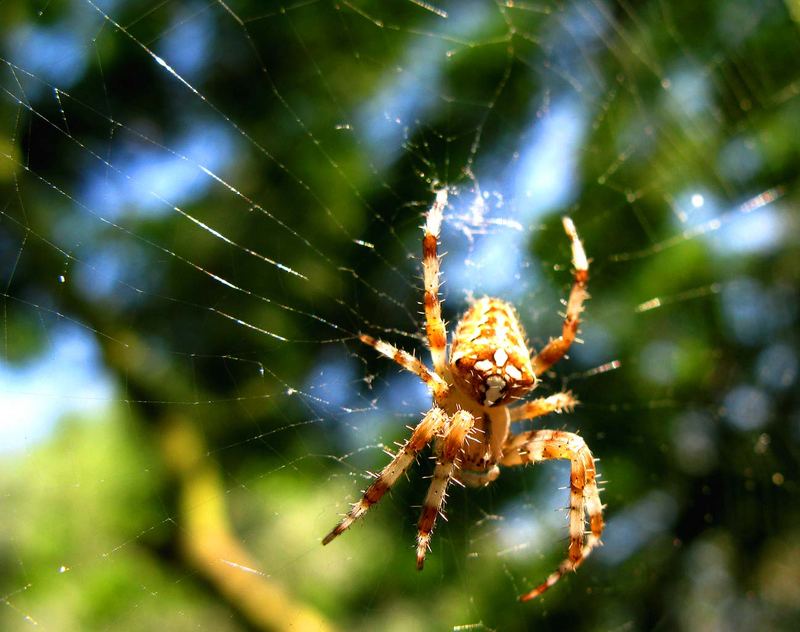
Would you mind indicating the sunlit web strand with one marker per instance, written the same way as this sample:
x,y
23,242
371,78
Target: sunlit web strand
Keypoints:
x,y
299,181
112,121
529,7
464,44
161,199
289,391
754,203
263,435
14,68
660,301
603,368
429,7
162,62
189,403
208,273
61,315
387,226
6,600
133,288
204,169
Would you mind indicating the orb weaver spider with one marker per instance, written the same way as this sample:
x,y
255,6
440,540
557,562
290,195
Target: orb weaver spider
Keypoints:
x,y
476,393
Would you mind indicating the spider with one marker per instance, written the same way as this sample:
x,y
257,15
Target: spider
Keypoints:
x,y
489,369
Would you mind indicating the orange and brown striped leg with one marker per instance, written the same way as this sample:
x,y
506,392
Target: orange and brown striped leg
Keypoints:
x,y
432,423
437,385
556,349
452,443
544,406
542,445
434,325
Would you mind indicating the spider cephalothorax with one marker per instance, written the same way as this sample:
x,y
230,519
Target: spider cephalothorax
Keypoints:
x,y
488,357
489,369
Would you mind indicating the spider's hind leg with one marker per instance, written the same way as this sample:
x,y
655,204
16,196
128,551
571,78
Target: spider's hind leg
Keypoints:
x,y
542,445
432,423
454,440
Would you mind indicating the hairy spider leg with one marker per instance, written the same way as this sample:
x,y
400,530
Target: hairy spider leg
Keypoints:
x,y
431,424
454,439
556,349
434,325
543,406
542,445
437,385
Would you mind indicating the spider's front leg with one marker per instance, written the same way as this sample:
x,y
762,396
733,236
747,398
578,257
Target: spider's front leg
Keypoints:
x,y
556,349
431,424
438,386
434,325
542,445
455,437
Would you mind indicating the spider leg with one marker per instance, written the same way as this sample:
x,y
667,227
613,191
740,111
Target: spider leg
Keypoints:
x,y
542,445
437,385
556,349
543,406
433,421
452,443
434,325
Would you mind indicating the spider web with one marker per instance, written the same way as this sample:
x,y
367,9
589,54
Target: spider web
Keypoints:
x,y
204,203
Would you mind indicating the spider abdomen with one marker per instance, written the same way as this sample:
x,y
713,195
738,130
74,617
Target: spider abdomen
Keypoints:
x,y
489,359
